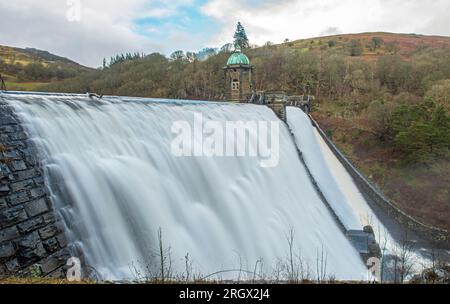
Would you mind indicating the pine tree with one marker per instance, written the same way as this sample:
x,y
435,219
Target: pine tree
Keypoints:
x,y
240,37
419,142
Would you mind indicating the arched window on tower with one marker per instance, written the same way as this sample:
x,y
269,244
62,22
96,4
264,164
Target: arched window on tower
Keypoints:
x,y
235,85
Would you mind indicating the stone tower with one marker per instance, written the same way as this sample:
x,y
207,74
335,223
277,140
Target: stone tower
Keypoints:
x,y
238,77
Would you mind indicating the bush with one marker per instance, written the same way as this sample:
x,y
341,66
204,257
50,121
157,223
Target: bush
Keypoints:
x,y
421,132
440,93
379,115
355,48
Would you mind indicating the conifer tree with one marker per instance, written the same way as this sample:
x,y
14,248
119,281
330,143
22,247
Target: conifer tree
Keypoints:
x,y
240,37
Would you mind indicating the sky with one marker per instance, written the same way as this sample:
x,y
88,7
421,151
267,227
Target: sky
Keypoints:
x,y
89,30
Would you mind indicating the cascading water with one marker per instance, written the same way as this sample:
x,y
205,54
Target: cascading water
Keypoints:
x,y
307,143
342,194
116,182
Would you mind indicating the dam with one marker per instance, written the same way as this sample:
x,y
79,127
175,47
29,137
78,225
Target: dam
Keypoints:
x,y
96,178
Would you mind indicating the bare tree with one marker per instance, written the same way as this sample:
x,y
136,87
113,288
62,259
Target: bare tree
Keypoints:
x,y
187,267
292,273
259,261
321,265
404,260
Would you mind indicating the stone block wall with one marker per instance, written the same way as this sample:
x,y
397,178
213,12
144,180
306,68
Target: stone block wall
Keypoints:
x,y
30,230
438,237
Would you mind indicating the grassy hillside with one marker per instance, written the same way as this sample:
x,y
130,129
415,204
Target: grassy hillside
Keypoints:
x,y
373,45
28,69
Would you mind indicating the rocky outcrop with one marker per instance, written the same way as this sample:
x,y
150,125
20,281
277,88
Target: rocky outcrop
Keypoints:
x,y
30,231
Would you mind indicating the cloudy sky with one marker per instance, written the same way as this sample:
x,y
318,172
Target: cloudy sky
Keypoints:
x,y
89,30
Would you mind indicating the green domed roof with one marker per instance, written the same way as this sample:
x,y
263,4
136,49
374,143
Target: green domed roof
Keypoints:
x,y
238,58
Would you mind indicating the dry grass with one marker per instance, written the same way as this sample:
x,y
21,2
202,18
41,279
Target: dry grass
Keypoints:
x,y
48,281
44,281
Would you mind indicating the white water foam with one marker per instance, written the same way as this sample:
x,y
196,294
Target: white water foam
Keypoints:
x,y
119,183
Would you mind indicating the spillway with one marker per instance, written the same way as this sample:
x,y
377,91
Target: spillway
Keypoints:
x,y
116,182
344,197
313,153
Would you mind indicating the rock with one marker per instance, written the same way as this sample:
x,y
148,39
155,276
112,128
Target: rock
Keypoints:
x,y
4,171
4,189
18,165
26,174
9,234
31,248
12,216
37,192
31,225
51,230
57,274
50,264
3,203
39,180
7,250
7,129
18,198
62,240
12,265
18,136
36,207
8,120
3,270
11,154
55,261
49,217
23,185
51,245
31,154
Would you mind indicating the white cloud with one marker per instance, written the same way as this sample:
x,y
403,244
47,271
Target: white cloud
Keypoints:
x,y
108,27
276,20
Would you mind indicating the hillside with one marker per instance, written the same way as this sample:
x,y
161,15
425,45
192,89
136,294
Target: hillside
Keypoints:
x,y
373,45
298,67
29,68
383,98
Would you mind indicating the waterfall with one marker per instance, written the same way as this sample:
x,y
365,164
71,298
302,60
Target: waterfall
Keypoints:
x,y
116,182
344,197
